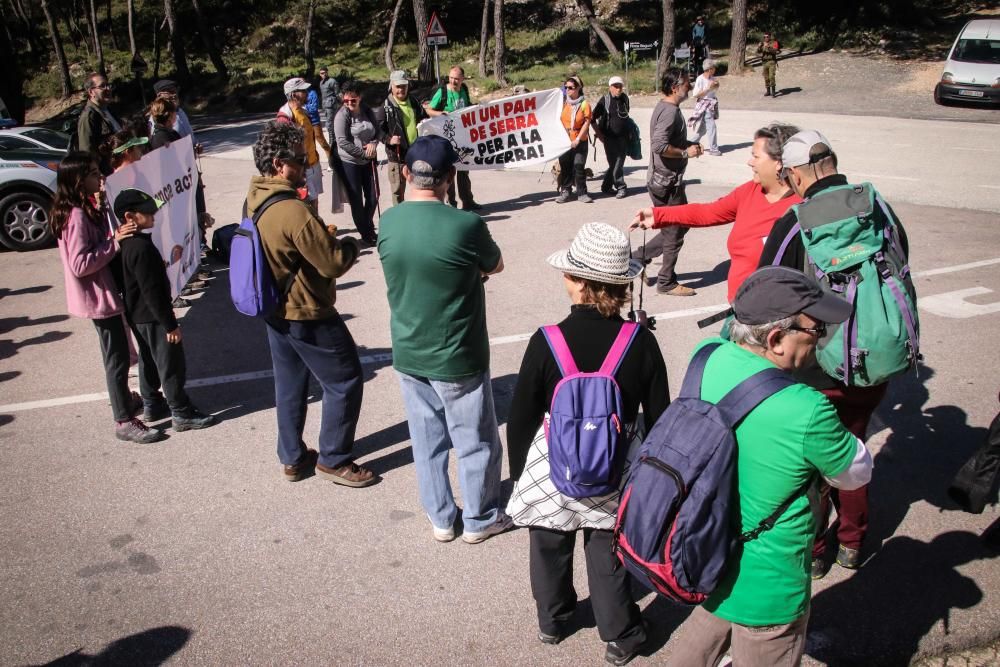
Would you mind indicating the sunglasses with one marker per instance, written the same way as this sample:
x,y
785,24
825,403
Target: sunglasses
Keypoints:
x,y
570,87
819,330
351,100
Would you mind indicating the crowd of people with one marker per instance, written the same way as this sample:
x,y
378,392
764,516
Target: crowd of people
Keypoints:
x,y
803,443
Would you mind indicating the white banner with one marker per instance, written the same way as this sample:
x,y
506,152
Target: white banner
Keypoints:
x,y
508,133
170,174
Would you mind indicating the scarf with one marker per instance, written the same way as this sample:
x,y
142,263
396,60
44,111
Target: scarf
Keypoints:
x,y
575,106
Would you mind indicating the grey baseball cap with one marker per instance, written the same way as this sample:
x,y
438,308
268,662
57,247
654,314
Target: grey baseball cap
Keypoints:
x,y
773,293
795,152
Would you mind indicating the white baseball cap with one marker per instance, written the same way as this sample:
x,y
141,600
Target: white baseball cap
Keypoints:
x,y
795,152
616,81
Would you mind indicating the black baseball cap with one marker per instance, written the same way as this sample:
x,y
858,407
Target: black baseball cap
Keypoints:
x,y
435,151
164,85
773,293
131,200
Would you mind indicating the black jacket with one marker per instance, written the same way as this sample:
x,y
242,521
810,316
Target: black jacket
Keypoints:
x,y
392,125
611,120
163,136
92,130
147,291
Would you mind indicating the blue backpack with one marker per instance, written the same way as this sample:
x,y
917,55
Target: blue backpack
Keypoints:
x,y
678,521
251,283
584,428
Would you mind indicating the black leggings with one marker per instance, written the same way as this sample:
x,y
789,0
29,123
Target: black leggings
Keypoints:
x,y
363,194
571,168
114,350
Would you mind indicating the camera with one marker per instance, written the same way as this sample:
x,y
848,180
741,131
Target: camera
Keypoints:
x,y
640,317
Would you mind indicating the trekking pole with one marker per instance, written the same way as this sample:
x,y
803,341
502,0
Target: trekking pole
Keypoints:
x,y
378,204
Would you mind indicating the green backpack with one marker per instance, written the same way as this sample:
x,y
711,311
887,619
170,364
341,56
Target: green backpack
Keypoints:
x,y
852,241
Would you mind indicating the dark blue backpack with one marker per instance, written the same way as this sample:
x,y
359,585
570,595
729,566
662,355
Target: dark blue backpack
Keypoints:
x,y
584,430
678,522
251,283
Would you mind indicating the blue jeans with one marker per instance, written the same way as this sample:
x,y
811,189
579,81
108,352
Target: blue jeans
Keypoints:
x,y
443,414
325,349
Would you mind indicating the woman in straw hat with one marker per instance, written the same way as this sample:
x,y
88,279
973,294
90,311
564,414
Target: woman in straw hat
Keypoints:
x,y
597,273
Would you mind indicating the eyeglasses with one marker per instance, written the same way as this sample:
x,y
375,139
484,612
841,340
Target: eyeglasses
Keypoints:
x,y
570,87
819,330
351,100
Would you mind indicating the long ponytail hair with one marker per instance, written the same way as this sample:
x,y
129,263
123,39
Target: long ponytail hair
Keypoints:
x,y
70,192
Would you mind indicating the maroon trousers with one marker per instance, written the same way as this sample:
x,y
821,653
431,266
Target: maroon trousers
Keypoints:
x,y
855,406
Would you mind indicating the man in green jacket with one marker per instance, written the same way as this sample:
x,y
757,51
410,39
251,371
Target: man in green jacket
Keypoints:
x,y
96,122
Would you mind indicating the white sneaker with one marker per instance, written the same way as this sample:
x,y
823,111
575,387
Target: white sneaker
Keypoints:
x,y
501,525
443,534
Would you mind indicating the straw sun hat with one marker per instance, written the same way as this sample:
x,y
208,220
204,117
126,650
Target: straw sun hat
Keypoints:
x,y
599,252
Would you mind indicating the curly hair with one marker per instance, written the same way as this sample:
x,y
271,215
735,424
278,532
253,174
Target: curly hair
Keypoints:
x,y
160,110
278,140
776,134
70,193
608,299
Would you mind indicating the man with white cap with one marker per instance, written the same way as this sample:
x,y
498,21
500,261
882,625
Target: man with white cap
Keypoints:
x,y
402,115
293,112
706,109
759,611
435,259
612,127
810,167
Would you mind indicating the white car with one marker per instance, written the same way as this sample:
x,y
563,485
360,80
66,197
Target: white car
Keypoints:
x,y
27,183
16,138
972,71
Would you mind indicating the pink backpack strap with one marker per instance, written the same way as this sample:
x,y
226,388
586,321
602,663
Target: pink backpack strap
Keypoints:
x,y
617,352
560,350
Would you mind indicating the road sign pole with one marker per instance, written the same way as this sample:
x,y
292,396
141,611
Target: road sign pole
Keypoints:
x,y
626,68
437,66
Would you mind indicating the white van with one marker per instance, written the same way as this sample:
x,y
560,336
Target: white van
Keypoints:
x,y
972,71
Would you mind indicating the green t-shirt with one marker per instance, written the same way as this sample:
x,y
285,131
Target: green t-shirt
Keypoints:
x,y
409,117
455,100
432,257
787,439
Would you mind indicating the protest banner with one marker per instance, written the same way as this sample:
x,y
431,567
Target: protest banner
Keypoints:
x,y
169,174
519,131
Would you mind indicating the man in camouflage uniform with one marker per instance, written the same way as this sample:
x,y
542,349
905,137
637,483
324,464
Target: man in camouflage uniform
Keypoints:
x,y
768,50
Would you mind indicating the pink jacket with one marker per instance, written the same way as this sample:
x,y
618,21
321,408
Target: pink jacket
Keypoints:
x,y
86,251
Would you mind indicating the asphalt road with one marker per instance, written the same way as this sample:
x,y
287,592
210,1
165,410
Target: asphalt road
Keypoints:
x,y
195,551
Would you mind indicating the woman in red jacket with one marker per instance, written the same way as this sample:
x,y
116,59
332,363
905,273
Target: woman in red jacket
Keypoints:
x,y
752,207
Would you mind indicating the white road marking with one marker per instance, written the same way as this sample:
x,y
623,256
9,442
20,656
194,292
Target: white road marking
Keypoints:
x,y
991,187
949,302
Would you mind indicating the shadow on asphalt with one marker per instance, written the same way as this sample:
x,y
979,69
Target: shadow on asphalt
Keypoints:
x,y
701,279
144,649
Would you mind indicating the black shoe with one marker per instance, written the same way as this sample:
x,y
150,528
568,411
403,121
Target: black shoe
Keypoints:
x,y
471,206
155,410
370,240
607,190
848,558
767,92
549,639
819,569
181,303
617,655
191,418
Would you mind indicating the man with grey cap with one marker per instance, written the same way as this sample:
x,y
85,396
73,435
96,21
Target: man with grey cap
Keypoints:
x,y
435,259
402,115
810,168
760,610
611,124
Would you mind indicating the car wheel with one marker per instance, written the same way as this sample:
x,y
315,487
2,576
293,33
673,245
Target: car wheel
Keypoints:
x,y
937,96
24,221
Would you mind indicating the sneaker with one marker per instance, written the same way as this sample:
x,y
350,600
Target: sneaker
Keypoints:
x,y
549,639
155,410
621,194
848,558
304,468
135,431
349,474
819,569
617,655
563,197
584,199
191,418
501,525
181,303
716,153
677,290
443,534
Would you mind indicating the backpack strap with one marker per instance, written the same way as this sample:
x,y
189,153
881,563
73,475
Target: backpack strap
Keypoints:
x,y
747,395
792,233
691,388
560,350
767,523
281,195
622,343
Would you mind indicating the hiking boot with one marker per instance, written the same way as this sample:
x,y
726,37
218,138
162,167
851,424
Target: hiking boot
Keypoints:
x,y
767,92
443,534
135,431
546,638
677,290
584,199
617,655
563,197
349,474
848,558
191,418
621,194
819,569
501,525
156,409
304,468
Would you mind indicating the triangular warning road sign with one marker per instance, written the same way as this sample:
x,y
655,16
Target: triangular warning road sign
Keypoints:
x,y
434,28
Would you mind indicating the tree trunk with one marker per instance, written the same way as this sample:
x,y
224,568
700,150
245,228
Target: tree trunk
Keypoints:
x,y
72,27
111,29
667,40
307,49
500,50
181,70
738,42
27,26
131,28
11,79
424,72
157,27
587,7
389,62
98,49
206,38
57,46
484,33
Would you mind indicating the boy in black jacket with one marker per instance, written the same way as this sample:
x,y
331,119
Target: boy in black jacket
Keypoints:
x,y
149,312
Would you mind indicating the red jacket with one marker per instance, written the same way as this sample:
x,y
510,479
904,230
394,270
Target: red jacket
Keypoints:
x,y
752,215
